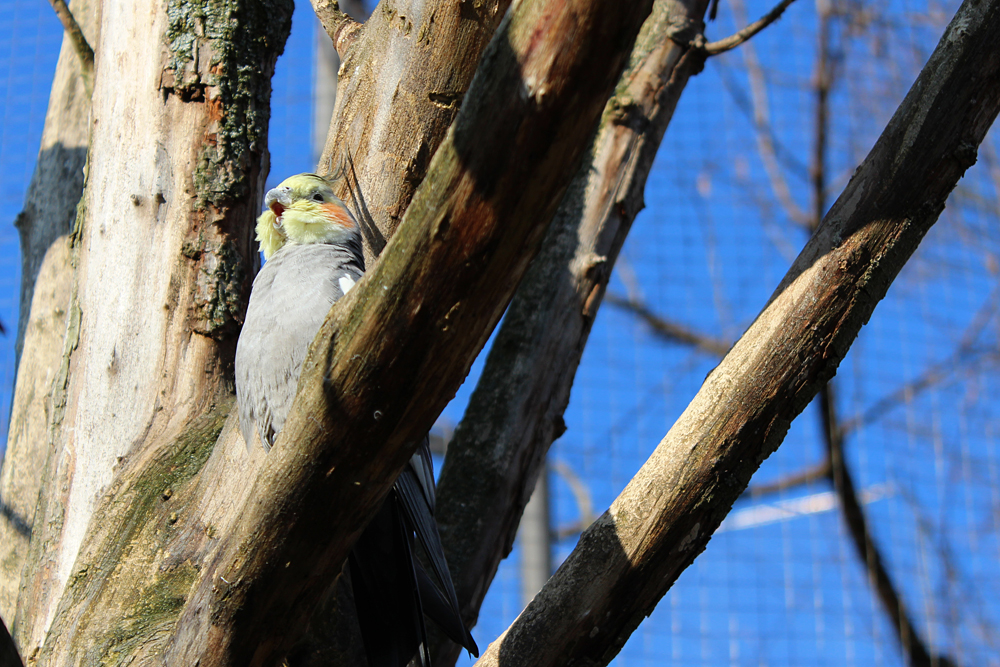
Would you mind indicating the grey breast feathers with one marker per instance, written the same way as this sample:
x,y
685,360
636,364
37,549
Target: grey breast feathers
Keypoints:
x,y
291,297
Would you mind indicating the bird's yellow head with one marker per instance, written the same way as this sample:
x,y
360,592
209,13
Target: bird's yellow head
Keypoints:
x,y
303,210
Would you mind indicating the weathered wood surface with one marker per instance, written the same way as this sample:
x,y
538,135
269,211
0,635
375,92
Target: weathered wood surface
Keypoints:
x,y
516,411
172,498
665,516
165,219
46,281
422,56
474,224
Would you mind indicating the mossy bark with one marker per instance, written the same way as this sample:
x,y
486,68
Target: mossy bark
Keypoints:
x,y
419,317
162,257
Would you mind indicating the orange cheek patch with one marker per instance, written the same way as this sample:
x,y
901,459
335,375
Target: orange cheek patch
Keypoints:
x,y
336,213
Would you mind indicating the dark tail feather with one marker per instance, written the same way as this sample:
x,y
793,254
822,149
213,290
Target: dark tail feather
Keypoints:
x,y
438,609
416,493
386,592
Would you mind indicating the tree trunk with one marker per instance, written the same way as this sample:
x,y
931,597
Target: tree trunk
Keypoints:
x,y
173,509
402,80
163,261
158,539
474,224
46,281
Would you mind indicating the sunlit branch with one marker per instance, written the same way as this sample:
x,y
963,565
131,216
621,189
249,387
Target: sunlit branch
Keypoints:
x,y
83,50
731,42
341,28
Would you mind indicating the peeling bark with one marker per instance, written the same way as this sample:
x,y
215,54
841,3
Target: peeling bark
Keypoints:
x,y
664,518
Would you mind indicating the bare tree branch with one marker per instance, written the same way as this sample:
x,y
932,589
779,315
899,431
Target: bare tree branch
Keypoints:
x,y
341,28
426,53
816,473
731,42
665,516
581,494
84,53
833,433
671,331
765,139
516,411
965,354
869,553
210,475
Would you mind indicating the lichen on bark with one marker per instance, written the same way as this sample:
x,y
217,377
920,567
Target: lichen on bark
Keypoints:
x,y
211,44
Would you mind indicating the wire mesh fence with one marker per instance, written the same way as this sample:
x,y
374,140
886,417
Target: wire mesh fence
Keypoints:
x,y
763,139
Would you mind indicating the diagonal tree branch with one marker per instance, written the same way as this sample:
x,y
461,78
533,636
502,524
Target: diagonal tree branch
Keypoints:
x,y
84,53
139,553
833,433
965,354
869,553
671,331
668,512
816,473
516,411
397,346
425,52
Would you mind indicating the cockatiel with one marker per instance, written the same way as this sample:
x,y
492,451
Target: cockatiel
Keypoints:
x,y
312,245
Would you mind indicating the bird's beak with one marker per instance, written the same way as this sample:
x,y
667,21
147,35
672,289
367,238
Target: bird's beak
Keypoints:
x,y
278,200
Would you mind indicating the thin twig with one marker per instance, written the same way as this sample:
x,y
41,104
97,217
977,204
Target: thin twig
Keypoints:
x,y
965,354
670,330
765,136
731,42
341,28
83,51
818,472
868,552
581,494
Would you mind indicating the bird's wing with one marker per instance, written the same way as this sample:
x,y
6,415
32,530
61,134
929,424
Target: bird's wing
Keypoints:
x,y
291,296
415,486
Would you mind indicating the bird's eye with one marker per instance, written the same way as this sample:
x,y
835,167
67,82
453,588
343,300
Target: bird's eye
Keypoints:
x,y
318,197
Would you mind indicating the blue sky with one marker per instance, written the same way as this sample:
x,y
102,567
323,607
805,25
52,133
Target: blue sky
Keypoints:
x,y
779,584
